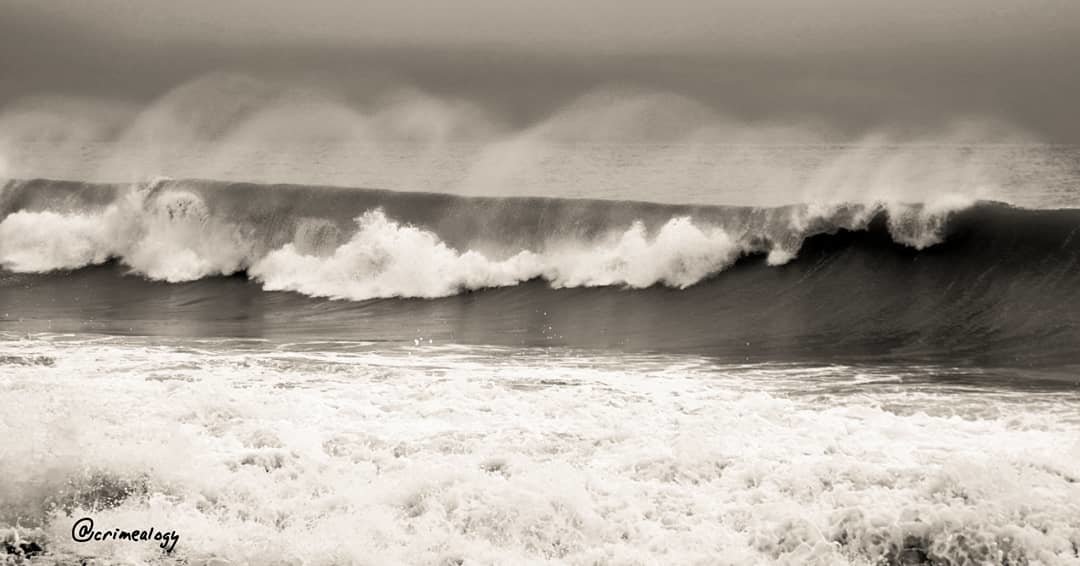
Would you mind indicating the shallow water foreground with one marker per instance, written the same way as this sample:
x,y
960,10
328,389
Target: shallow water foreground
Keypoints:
x,y
361,453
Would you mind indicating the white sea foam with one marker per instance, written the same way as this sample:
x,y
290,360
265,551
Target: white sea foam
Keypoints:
x,y
46,241
387,259
679,255
327,454
171,237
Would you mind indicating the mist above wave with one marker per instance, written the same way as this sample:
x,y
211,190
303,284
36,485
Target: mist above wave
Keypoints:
x,y
619,142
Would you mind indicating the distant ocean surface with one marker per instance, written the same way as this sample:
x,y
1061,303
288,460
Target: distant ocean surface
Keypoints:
x,y
591,354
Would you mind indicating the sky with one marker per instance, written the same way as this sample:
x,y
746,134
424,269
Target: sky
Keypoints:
x,y
854,65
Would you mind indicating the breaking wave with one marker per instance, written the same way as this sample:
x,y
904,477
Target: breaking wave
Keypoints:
x,y
363,244
973,283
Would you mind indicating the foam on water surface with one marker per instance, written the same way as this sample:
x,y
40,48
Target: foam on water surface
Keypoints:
x,y
259,452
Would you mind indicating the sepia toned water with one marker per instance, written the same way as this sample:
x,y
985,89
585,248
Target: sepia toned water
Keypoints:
x,y
801,355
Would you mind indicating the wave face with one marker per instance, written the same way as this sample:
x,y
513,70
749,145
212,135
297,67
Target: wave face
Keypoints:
x,y
979,282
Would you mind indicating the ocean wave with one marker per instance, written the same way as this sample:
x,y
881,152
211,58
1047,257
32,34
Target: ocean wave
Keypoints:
x,y
377,244
983,284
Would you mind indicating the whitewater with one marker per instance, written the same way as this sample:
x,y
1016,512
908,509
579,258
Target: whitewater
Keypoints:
x,y
269,452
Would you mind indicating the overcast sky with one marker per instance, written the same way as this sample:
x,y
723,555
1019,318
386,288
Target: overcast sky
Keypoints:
x,y
854,64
